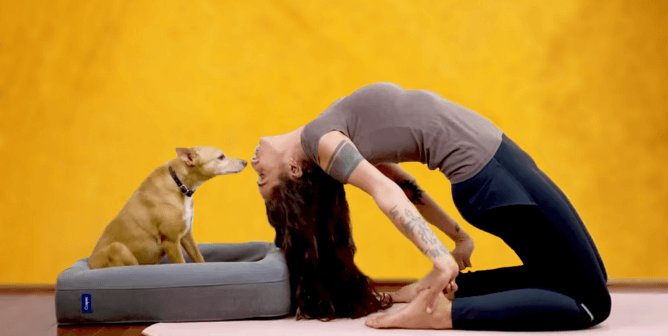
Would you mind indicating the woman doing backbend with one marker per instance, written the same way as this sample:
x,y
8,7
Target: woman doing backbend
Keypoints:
x,y
496,186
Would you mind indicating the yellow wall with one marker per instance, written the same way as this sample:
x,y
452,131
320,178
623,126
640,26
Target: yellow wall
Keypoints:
x,y
95,95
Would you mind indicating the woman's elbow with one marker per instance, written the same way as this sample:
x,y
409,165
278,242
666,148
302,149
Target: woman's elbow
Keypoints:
x,y
388,195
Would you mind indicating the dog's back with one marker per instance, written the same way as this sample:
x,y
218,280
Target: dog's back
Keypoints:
x,y
157,218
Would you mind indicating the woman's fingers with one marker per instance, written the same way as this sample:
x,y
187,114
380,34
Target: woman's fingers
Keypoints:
x,y
440,279
439,284
453,286
461,263
433,301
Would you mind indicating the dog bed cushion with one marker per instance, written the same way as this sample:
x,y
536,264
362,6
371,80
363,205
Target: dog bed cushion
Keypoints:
x,y
237,281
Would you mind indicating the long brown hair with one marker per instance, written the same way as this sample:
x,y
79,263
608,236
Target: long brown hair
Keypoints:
x,y
312,222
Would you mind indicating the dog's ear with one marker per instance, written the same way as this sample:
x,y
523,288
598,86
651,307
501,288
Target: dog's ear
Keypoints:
x,y
188,155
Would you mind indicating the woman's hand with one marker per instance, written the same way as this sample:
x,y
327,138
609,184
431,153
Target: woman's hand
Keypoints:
x,y
462,252
440,279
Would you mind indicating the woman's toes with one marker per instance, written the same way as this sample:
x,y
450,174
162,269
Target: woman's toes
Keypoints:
x,y
388,320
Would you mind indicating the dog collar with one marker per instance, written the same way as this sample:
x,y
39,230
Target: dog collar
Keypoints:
x,y
183,188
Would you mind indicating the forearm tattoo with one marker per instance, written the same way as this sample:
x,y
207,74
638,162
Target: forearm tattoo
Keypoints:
x,y
415,192
343,161
421,228
415,225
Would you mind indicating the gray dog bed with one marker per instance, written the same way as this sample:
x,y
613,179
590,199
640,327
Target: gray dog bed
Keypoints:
x,y
237,281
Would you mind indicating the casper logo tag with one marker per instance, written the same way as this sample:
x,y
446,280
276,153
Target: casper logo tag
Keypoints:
x,y
86,303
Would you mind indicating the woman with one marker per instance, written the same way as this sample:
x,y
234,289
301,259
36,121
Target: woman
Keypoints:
x,y
495,185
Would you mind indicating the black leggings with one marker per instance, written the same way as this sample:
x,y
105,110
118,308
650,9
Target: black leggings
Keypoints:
x,y
562,282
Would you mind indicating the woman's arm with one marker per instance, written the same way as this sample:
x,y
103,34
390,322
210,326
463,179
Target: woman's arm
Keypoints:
x,y
431,211
341,160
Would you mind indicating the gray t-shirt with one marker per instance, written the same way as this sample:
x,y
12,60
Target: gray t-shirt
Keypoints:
x,y
390,124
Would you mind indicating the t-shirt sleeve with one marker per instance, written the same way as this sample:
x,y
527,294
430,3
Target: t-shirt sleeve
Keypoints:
x,y
331,119
367,100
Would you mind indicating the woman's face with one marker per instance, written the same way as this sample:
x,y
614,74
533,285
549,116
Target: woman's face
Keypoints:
x,y
268,164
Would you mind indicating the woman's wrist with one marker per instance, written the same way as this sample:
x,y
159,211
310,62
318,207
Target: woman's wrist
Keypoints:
x,y
436,252
463,236
459,234
444,262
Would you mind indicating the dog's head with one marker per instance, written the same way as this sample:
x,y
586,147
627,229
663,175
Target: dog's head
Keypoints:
x,y
208,162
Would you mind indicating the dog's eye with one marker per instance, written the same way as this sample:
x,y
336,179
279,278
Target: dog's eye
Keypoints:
x,y
222,156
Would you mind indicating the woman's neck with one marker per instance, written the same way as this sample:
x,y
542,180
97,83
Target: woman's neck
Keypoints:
x,y
294,145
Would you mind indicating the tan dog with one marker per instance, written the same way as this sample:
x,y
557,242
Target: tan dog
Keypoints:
x,y
157,219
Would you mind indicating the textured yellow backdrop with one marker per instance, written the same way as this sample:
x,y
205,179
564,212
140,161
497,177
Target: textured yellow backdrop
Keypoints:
x,y
95,94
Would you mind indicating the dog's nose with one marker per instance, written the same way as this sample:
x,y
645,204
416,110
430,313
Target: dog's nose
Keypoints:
x,y
244,163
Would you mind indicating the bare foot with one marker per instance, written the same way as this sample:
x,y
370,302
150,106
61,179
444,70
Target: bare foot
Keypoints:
x,y
409,292
415,316
404,294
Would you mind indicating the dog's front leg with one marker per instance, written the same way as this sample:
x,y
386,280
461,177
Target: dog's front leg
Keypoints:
x,y
191,247
172,248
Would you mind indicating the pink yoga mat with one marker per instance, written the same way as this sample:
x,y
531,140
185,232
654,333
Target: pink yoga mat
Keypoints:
x,y
634,314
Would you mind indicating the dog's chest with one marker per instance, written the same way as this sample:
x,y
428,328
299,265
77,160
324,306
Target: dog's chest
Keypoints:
x,y
188,212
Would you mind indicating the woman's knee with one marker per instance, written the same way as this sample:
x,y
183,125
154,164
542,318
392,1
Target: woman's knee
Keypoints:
x,y
604,304
598,304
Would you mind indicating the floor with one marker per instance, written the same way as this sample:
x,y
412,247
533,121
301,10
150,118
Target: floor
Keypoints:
x,y
32,312
632,314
